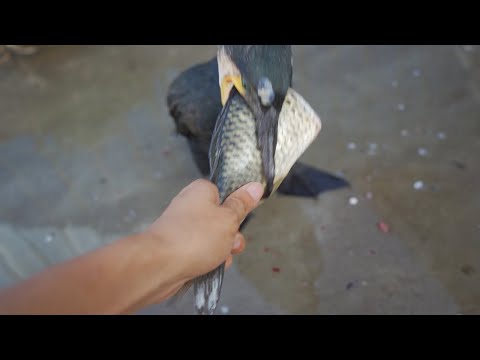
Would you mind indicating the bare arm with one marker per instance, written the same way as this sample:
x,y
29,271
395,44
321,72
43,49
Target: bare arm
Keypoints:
x,y
193,236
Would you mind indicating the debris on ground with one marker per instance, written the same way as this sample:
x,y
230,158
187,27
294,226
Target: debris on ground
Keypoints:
x,y
132,214
422,152
383,227
369,195
459,165
158,175
467,269
166,151
276,269
49,238
404,132
441,135
418,185
372,149
224,310
353,201
351,146
401,107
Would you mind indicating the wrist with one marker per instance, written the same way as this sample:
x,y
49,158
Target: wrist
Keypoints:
x,y
161,266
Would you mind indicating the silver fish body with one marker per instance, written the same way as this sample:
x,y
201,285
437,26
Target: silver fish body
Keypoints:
x,y
235,160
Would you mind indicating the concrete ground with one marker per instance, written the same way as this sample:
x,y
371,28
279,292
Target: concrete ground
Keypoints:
x,y
88,154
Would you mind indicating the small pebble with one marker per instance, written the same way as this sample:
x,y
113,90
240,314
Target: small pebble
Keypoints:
x,y
404,132
395,83
351,146
372,252
369,195
418,185
441,136
401,107
422,152
167,151
349,286
276,269
364,283
224,309
416,72
353,201
48,238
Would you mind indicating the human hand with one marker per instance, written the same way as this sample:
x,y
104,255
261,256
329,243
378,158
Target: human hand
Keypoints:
x,y
202,234
193,236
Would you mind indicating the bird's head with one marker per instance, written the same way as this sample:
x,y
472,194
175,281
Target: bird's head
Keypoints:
x,y
262,74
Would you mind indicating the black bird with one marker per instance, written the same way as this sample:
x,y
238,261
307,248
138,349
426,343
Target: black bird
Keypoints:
x,y
194,100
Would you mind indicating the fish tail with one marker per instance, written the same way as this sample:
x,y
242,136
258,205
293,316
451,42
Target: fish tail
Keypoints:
x,y
207,289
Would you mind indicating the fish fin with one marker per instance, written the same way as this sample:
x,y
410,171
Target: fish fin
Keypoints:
x,y
307,181
207,289
215,148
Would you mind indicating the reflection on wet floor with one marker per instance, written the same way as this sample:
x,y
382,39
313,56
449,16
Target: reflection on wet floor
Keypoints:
x,y
89,154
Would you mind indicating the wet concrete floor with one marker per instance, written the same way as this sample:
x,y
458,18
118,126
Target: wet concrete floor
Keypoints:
x,y
88,154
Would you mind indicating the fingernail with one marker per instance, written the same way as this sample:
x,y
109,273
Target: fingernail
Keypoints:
x,y
255,190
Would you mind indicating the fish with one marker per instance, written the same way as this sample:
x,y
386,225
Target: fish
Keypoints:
x,y
235,160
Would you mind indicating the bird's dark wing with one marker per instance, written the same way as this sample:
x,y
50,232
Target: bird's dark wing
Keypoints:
x,y
194,103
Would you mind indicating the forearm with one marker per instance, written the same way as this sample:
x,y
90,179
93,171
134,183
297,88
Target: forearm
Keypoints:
x,y
118,278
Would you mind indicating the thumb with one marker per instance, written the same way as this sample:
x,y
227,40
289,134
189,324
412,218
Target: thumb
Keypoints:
x,y
244,200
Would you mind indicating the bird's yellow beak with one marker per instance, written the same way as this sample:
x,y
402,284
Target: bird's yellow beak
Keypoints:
x,y
226,85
